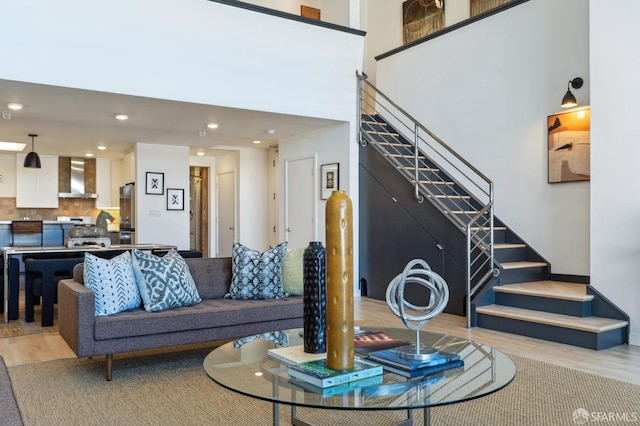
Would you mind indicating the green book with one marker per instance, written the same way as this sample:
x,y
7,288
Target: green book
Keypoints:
x,y
317,373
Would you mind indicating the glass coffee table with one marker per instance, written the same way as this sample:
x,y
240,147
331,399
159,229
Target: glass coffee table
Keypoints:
x,y
245,367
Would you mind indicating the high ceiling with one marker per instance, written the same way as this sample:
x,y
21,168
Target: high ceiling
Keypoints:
x,y
73,122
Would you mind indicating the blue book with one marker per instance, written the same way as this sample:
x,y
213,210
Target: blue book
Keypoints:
x,y
392,358
317,373
425,371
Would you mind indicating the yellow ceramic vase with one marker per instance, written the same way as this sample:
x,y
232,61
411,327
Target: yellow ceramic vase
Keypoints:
x,y
339,235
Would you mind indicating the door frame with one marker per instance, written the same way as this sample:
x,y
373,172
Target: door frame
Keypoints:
x,y
235,205
286,161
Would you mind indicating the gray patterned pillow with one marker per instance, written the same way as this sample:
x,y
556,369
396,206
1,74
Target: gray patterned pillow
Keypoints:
x,y
112,283
255,275
164,282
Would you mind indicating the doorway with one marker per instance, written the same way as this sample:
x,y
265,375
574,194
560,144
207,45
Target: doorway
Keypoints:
x,y
300,201
226,212
199,210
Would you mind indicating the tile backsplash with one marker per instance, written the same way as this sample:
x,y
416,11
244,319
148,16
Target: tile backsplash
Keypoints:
x,y
66,207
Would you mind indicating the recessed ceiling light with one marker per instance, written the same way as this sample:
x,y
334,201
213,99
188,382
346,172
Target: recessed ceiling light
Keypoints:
x,y
213,125
200,153
12,146
102,147
15,106
121,117
256,142
89,154
271,131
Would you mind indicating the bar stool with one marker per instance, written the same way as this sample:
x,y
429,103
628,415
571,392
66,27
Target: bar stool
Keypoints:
x,y
14,288
41,280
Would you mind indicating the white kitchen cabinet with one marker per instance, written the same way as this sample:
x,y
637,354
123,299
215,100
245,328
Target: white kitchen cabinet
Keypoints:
x,y
109,179
129,167
37,188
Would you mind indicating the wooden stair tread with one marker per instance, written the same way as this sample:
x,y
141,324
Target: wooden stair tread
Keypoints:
x,y
589,324
551,289
508,246
522,265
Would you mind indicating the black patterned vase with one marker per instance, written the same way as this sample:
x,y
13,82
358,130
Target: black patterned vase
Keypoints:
x,y
315,298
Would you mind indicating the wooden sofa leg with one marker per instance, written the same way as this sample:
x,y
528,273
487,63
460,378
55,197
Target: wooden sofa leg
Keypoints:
x,y
109,366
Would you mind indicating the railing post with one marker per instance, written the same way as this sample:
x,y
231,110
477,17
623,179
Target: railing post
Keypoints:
x,y
469,276
359,137
416,151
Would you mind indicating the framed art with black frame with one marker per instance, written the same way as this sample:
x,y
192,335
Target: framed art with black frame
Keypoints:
x,y
154,183
330,174
175,199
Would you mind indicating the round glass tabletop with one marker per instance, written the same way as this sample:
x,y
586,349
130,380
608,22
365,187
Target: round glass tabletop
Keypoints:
x,y
244,366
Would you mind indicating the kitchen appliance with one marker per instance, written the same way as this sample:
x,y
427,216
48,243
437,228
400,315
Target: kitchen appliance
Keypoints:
x,y
73,187
128,213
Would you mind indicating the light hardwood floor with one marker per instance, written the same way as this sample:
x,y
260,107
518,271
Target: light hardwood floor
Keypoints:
x,y
621,363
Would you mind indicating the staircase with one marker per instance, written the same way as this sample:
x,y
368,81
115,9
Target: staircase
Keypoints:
x,y
508,283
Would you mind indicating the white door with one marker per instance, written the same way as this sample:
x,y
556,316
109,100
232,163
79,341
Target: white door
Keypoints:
x,y
226,212
300,204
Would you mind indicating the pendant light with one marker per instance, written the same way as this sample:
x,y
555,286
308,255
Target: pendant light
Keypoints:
x,y
32,160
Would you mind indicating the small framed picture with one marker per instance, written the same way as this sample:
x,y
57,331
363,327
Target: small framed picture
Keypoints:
x,y
175,199
330,179
155,183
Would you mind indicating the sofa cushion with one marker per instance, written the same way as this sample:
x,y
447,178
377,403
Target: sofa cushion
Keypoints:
x,y
164,282
257,275
112,282
292,272
210,313
212,276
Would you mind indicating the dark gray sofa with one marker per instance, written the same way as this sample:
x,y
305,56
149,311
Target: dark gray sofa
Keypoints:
x,y
215,318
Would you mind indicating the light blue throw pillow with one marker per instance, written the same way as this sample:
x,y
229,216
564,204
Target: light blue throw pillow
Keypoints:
x,y
257,275
164,282
112,283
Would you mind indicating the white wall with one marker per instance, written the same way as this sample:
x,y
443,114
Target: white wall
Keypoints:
x,y
154,223
8,172
174,49
328,144
486,90
615,205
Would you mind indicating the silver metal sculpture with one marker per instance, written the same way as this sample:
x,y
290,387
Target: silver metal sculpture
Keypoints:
x,y
415,317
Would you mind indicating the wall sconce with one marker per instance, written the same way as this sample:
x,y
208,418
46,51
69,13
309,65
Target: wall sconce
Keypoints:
x,y
568,100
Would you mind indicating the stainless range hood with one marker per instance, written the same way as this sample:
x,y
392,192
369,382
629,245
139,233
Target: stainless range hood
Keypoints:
x,y
76,180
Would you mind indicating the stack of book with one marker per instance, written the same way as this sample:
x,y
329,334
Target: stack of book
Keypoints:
x,y
394,362
318,374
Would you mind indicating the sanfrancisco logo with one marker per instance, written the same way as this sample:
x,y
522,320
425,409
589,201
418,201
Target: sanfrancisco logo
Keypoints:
x,y
582,416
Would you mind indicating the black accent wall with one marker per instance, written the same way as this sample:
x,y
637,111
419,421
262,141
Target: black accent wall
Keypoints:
x,y
395,228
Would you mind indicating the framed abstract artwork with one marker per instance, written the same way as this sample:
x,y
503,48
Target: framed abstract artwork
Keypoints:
x,y
569,146
154,183
175,199
330,174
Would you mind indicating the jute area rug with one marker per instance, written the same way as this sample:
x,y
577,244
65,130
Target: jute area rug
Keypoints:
x,y
171,388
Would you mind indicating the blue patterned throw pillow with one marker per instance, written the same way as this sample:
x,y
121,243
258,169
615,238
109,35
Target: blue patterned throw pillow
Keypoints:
x,y
112,283
164,282
255,275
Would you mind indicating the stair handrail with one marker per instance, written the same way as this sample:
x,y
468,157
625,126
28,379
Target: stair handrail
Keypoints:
x,y
362,77
472,243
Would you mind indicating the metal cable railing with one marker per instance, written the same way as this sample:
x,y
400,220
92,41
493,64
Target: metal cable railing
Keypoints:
x,y
438,173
